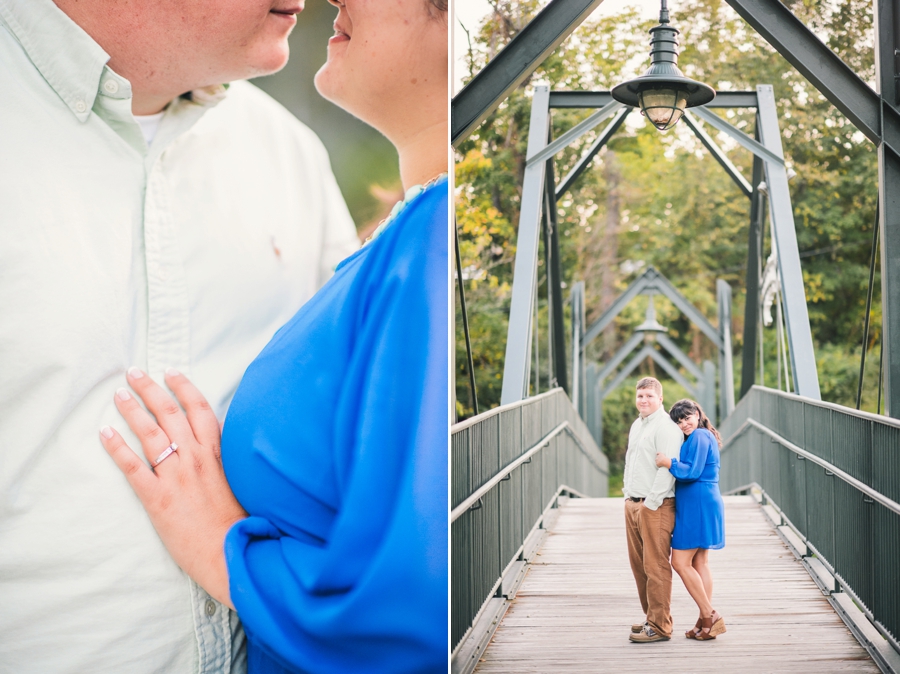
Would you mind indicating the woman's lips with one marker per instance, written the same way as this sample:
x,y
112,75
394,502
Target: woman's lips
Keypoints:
x,y
339,36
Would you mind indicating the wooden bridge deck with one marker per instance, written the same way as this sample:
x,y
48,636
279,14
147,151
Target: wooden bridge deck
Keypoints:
x,y
575,606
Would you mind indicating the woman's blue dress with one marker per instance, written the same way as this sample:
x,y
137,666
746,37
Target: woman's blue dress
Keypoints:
x,y
699,510
336,445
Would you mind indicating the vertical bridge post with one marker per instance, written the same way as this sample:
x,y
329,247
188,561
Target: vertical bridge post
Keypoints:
x,y
886,68
518,336
752,303
800,344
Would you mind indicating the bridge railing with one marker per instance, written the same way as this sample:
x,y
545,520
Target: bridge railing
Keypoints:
x,y
508,466
834,472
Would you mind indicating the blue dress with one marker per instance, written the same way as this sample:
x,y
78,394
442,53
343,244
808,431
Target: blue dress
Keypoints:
x,y
699,510
336,445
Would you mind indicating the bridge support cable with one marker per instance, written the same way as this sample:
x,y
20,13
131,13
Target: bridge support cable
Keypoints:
x,y
709,387
799,335
508,467
554,279
865,340
726,362
754,271
880,373
465,320
576,300
518,341
835,473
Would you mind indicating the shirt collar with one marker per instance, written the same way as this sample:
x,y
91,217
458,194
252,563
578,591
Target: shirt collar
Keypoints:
x,y
74,71
77,72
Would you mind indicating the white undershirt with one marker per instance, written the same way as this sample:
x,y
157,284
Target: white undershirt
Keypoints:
x,y
149,124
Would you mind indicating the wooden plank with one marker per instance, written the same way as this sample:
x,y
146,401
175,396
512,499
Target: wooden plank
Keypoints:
x,y
574,609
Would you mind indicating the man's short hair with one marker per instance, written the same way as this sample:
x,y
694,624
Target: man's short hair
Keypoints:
x,y
650,382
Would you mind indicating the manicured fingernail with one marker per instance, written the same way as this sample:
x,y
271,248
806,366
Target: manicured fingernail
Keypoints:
x,y
106,432
134,372
123,394
172,372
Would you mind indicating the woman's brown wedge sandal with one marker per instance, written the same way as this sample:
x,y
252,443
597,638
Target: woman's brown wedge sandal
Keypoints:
x,y
718,626
692,633
711,627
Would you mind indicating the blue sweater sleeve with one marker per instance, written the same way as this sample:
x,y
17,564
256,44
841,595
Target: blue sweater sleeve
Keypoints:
x,y
374,597
694,453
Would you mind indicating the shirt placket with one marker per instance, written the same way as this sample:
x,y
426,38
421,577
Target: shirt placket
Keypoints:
x,y
168,345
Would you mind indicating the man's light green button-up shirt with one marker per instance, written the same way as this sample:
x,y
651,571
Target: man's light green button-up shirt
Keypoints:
x,y
642,479
189,254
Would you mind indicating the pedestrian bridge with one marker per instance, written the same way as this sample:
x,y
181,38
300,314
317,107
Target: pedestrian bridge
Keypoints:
x,y
573,609
807,581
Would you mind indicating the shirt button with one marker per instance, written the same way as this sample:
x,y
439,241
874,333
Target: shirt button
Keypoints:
x,y
210,607
111,86
80,106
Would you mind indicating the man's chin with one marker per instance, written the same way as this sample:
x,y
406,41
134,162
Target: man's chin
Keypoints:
x,y
267,63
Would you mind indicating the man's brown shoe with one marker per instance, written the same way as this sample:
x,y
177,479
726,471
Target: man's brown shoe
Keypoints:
x,y
646,635
637,627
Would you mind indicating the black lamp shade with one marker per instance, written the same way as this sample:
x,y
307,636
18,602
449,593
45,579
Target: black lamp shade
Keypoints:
x,y
663,92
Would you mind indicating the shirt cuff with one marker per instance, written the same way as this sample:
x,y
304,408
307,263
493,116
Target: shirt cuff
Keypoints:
x,y
652,504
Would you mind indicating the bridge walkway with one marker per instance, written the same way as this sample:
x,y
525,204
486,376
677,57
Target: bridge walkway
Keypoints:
x,y
573,610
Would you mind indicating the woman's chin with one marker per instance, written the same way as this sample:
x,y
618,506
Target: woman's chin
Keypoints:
x,y
326,85
329,84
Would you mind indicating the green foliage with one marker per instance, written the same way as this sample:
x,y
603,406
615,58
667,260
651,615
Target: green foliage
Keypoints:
x,y
660,199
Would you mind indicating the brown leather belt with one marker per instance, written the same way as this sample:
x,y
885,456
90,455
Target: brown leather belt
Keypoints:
x,y
636,500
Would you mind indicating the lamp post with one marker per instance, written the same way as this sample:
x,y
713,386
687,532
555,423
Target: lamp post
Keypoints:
x,y
663,92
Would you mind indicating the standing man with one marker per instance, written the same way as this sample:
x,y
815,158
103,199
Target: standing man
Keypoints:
x,y
650,510
148,217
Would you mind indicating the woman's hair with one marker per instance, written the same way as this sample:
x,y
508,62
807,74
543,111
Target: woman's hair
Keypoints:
x,y
685,408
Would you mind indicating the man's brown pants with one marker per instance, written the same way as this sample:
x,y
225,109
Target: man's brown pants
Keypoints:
x,y
649,535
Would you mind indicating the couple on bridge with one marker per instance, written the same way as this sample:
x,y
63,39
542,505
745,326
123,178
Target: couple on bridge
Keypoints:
x,y
672,507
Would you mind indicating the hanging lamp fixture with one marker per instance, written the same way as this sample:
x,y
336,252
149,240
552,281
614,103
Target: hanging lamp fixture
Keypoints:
x,y
663,92
650,326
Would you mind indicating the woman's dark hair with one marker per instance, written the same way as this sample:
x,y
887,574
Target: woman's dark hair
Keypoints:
x,y
685,408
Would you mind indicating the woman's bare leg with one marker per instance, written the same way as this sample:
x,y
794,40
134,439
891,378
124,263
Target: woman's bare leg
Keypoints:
x,y
682,562
701,565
